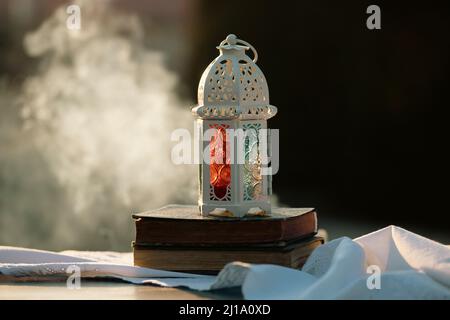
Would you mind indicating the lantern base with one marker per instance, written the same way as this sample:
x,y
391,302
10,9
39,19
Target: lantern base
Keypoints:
x,y
236,210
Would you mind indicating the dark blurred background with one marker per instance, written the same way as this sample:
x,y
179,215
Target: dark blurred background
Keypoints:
x,y
361,114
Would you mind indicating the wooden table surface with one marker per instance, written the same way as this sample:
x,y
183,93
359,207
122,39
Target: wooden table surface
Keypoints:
x,y
99,290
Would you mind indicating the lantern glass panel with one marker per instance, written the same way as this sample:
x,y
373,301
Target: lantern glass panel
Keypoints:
x,y
220,164
252,165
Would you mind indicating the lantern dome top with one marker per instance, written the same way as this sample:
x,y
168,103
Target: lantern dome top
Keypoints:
x,y
233,86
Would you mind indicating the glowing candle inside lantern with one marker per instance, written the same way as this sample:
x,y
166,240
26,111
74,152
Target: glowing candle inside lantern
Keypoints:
x,y
220,169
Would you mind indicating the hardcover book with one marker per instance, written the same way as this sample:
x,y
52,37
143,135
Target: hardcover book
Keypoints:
x,y
211,259
183,225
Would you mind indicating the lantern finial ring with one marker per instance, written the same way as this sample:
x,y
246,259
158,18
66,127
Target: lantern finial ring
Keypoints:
x,y
233,40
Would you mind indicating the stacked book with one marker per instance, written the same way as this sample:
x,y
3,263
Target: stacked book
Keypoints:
x,y
178,238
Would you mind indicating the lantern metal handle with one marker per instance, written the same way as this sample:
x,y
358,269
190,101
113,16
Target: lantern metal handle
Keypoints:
x,y
232,40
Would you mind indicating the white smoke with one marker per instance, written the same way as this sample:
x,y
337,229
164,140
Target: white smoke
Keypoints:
x,y
95,144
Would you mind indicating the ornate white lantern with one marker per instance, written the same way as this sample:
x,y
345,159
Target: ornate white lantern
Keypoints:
x,y
233,98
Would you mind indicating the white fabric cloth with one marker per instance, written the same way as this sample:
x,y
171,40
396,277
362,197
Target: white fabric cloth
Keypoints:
x,y
411,267
36,265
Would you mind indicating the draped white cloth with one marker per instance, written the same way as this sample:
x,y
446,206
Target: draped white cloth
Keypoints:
x,y
391,263
411,267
